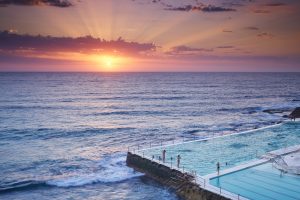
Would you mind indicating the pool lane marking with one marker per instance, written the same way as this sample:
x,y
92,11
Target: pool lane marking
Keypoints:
x,y
272,184
265,188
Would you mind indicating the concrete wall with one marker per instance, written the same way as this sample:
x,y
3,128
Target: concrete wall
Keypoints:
x,y
182,183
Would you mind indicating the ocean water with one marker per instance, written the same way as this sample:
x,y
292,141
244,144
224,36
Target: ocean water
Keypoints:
x,y
65,135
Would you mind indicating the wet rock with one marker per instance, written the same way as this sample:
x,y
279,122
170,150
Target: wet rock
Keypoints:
x,y
277,110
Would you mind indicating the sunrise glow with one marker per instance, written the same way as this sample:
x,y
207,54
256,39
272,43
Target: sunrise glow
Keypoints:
x,y
107,62
100,35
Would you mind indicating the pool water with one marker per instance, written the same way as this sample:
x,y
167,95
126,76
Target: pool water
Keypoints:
x,y
262,182
202,156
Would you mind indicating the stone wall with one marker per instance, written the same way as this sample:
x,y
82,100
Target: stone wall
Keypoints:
x,y
182,183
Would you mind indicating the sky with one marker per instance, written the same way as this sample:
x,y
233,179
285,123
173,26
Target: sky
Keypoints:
x,y
150,35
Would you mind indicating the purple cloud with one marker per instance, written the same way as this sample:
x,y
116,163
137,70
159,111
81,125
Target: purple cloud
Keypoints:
x,y
186,50
265,35
251,28
209,8
227,31
56,3
261,11
225,47
275,4
16,42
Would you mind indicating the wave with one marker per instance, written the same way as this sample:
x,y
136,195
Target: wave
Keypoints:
x,y
130,113
50,133
21,185
113,169
247,110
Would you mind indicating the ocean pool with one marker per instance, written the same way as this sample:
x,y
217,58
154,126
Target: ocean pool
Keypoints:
x,y
202,156
262,182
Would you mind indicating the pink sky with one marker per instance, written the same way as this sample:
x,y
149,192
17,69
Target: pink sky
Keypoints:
x,y
147,35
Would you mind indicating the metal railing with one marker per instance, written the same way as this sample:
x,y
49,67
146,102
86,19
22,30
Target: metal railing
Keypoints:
x,y
169,142
199,180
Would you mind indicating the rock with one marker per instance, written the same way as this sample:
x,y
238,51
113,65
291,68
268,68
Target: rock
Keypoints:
x,y
295,114
276,110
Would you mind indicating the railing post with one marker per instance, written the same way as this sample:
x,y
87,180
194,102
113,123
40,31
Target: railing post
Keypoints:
x,y
150,144
220,190
143,154
238,196
128,149
138,147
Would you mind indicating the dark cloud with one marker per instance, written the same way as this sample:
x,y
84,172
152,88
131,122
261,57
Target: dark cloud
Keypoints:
x,y
252,28
265,35
227,31
186,50
212,8
233,4
209,8
261,11
184,8
56,3
275,4
189,6
225,47
12,42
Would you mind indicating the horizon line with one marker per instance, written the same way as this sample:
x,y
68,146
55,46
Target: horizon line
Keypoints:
x,y
149,71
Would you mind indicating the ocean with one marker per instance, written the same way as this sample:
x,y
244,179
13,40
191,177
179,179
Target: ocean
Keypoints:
x,y
65,135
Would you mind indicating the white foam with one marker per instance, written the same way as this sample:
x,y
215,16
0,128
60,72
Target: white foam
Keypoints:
x,y
113,169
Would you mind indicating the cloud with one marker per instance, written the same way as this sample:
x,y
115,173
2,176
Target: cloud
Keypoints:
x,y
209,8
187,6
251,28
186,50
13,43
225,47
265,35
261,11
56,3
275,4
227,31
267,8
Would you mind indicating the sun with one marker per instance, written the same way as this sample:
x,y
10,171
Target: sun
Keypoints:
x,y
109,63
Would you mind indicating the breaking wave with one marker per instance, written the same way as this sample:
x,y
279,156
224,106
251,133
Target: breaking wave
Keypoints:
x,y
113,169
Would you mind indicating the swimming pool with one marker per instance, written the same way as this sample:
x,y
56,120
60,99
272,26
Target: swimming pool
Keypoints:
x,y
232,150
262,182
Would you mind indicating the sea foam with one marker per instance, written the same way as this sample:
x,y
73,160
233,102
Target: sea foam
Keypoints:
x,y
113,169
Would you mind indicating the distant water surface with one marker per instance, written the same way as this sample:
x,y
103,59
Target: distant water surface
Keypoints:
x,y
65,135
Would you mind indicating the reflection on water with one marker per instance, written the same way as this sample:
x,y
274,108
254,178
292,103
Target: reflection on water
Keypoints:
x,y
71,129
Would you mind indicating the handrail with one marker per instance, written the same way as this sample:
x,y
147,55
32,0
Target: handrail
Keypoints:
x,y
199,180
